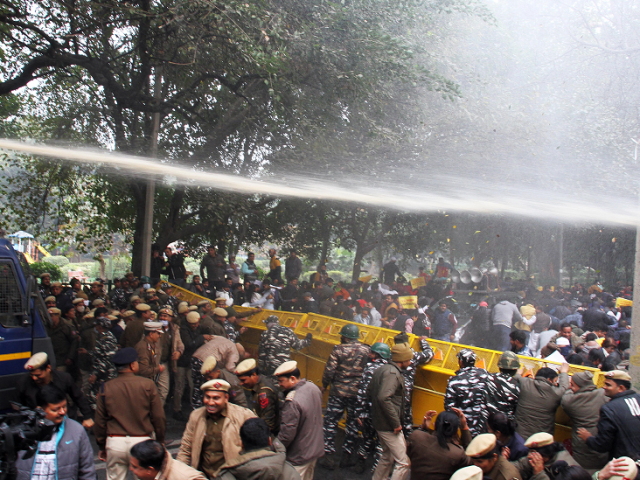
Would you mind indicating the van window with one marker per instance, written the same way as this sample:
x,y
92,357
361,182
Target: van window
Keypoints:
x,y
11,304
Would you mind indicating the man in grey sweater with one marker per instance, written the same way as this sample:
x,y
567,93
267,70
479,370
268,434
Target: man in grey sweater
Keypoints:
x,y
503,315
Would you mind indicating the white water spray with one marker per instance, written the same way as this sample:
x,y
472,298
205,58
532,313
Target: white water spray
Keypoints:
x,y
453,193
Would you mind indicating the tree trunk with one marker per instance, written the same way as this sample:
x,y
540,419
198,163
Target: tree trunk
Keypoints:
x,y
139,192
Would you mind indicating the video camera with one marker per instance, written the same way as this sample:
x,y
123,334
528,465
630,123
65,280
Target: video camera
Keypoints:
x,y
21,431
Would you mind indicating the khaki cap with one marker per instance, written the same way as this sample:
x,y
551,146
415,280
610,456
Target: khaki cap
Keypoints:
x,y
56,284
193,308
96,283
128,313
481,445
183,303
97,302
618,375
285,368
113,318
166,311
134,297
76,301
468,473
209,365
220,312
82,295
202,303
153,326
50,298
45,274
143,307
401,352
216,386
538,440
193,317
183,309
632,470
36,361
246,366
151,290
89,315
54,311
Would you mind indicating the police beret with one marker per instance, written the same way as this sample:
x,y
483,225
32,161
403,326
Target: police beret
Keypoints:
x,y
193,317
50,298
220,312
75,301
125,356
56,284
54,311
285,368
98,302
36,361
246,366
202,303
209,365
193,308
166,311
153,326
215,385
481,445
468,473
113,318
128,313
618,375
183,309
538,440
143,307
133,298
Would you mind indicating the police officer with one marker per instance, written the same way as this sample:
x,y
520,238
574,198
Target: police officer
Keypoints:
x,y
102,367
379,355
502,388
64,341
485,453
466,391
343,373
135,328
262,395
275,345
128,412
210,370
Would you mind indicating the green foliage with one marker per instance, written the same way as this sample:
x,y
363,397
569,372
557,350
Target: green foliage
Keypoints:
x,y
58,260
38,268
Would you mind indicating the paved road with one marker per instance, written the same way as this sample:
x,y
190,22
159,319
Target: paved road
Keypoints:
x,y
173,438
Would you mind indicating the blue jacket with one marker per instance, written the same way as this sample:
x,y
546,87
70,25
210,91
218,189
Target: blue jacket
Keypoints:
x,y
619,426
74,455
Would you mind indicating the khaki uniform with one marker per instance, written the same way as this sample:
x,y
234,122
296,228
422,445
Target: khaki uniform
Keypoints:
x,y
504,470
149,358
174,470
133,333
128,411
263,399
196,429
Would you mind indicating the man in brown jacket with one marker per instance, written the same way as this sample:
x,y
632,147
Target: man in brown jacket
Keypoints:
x,y
386,391
301,420
539,399
212,435
135,328
128,411
485,453
149,351
582,404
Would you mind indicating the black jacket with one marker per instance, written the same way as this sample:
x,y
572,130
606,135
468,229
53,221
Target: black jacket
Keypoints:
x,y
176,268
27,391
619,426
192,340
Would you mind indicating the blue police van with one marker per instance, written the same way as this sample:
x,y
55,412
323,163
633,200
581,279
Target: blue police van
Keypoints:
x,y
23,316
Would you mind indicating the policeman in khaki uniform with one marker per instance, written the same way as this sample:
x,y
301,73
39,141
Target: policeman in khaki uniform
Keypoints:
x,y
149,351
262,395
485,454
128,411
468,473
210,370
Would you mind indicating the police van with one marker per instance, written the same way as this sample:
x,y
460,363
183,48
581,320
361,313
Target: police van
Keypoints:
x,y
23,316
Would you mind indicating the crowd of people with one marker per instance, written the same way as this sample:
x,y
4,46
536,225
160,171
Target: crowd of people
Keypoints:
x,y
120,357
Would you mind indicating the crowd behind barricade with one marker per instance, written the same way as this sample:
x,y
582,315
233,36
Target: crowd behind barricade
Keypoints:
x,y
123,358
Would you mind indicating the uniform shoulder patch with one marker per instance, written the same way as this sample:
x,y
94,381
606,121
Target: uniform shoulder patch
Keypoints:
x,y
263,400
290,395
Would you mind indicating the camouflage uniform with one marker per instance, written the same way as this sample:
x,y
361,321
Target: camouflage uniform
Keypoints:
x,y
236,392
370,444
264,399
502,394
275,347
119,299
101,365
343,372
467,391
409,374
232,333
